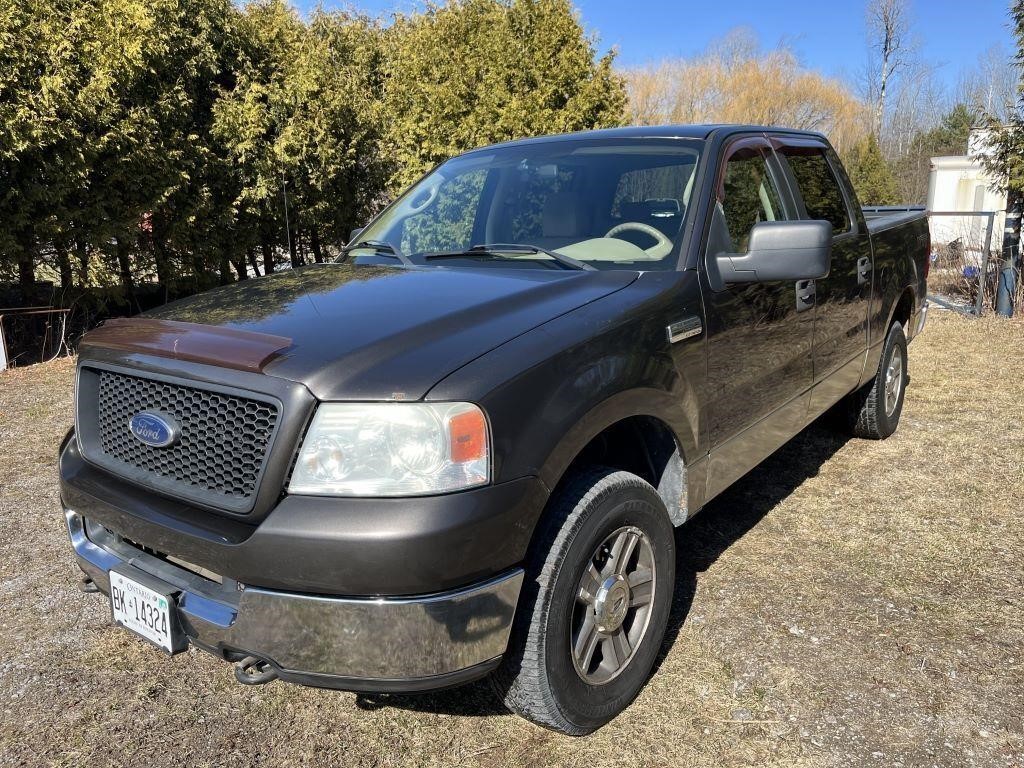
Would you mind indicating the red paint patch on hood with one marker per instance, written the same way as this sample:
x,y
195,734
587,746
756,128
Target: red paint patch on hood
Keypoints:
x,y
194,342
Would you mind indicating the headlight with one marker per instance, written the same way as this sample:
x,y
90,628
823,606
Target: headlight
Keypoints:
x,y
392,449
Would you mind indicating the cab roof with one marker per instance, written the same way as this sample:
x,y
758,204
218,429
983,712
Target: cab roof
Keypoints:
x,y
652,132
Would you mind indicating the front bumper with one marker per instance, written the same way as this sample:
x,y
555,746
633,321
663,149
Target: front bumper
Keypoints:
x,y
361,644
323,545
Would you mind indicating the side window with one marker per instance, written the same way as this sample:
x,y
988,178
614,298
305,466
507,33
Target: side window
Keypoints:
x,y
747,195
819,188
447,221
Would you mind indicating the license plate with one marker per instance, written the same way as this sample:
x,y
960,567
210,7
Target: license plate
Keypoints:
x,y
147,609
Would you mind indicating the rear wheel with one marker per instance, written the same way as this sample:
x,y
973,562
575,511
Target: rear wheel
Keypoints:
x,y
594,606
874,411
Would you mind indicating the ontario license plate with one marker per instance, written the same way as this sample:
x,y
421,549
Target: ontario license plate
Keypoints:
x,y
147,609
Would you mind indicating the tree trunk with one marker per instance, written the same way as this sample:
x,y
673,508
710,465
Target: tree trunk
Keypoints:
x,y
225,269
239,264
268,256
26,272
880,106
314,240
124,266
300,244
67,277
161,254
251,255
293,250
26,263
82,253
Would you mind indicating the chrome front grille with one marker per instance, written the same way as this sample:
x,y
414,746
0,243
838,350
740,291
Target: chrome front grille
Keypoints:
x,y
224,442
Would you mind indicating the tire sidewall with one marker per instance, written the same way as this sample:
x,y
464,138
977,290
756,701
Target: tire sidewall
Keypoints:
x,y
590,706
895,340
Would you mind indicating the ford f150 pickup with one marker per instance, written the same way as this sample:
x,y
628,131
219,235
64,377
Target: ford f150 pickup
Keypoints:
x,y
462,449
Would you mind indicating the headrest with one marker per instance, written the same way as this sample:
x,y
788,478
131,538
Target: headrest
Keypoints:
x,y
562,216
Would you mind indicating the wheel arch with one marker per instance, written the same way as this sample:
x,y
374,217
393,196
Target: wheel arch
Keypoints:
x,y
624,432
903,308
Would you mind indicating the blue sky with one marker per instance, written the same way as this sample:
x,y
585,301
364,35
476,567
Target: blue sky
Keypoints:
x,y
828,35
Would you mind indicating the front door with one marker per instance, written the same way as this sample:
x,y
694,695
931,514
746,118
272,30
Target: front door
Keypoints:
x,y
758,338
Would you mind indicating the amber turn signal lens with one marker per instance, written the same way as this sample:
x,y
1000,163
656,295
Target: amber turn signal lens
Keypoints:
x,y
468,434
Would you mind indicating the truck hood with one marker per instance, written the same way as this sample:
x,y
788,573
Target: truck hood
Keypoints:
x,y
372,333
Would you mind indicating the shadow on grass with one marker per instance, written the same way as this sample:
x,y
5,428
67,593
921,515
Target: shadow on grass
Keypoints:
x,y
729,517
699,544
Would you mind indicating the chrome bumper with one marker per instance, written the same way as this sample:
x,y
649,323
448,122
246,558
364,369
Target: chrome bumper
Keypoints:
x,y
364,644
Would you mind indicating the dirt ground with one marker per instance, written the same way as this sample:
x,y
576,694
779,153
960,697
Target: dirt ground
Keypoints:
x,y
848,603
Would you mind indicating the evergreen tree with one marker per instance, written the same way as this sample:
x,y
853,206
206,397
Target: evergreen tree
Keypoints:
x,y
871,175
1006,161
41,68
148,142
473,72
301,123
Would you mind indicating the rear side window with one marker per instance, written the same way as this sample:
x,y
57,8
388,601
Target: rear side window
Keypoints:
x,y
819,188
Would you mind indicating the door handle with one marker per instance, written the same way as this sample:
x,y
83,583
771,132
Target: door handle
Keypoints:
x,y
805,293
863,270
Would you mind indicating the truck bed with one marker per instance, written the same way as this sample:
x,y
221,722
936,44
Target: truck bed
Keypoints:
x,y
882,217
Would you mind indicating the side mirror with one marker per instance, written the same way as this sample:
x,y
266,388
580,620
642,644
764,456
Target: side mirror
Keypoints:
x,y
778,250
354,234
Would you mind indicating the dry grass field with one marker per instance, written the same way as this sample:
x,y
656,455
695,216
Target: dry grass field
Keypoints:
x,y
848,603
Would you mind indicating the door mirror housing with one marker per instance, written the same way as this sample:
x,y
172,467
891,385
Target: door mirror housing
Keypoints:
x,y
779,250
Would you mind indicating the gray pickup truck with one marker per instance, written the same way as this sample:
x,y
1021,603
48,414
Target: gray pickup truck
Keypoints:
x,y
462,450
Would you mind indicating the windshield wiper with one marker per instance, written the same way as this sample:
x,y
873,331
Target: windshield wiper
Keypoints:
x,y
499,248
383,247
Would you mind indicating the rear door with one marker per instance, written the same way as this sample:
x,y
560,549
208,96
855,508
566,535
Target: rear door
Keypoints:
x,y
821,191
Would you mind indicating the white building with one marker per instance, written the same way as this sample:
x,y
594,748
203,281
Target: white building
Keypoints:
x,y
959,183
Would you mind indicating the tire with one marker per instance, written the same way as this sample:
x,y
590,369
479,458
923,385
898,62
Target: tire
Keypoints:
x,y
539,677
872,413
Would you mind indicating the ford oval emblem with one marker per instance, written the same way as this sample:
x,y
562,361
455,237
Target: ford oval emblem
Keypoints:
x,y
153,428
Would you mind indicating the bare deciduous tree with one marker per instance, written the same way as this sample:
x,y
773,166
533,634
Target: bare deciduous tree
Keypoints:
x,y
888,27
735,82
916,102
990,87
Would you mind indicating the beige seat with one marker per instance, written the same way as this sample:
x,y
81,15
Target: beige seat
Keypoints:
x,y
563,221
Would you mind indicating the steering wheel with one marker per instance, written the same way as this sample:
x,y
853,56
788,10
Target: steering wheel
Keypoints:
x,y
662,245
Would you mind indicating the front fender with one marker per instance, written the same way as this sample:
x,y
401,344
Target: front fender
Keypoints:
x,y
623,405
548,392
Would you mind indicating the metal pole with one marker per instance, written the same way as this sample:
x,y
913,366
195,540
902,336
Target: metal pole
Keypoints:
x,y
983,276
1007,275
3,346
287,227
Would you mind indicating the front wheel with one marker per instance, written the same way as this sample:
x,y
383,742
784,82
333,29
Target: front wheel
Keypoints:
x,y
595,604
874,410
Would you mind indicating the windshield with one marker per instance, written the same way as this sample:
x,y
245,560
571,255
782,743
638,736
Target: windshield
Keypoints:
x,y
599,204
